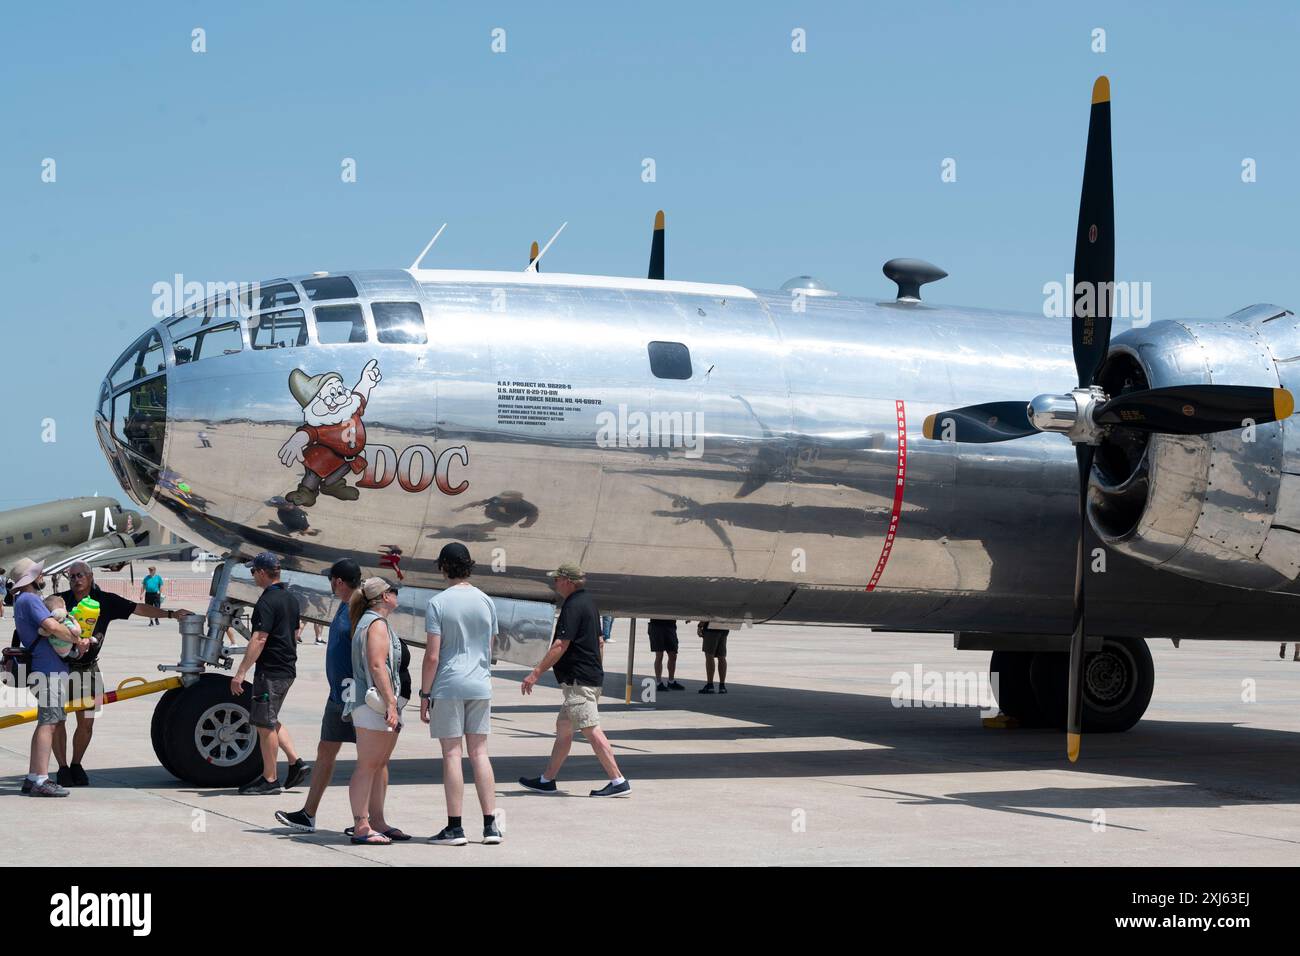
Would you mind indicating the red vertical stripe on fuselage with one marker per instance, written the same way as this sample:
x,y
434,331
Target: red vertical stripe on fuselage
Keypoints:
x,y
900,482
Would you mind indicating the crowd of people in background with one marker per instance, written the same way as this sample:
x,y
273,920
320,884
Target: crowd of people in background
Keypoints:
x,y
59,639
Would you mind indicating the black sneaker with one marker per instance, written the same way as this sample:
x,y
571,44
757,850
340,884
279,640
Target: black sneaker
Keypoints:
x,y
613,790
27,785
722,688
260,787
535,783
492,833
298,820
79,778
450,836
706,689
64,777
661,686
673,685
297,773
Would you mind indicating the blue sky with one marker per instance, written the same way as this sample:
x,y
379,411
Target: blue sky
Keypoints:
x,y
226,165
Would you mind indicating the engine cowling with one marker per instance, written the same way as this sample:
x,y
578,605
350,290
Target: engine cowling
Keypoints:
x,y
1223,508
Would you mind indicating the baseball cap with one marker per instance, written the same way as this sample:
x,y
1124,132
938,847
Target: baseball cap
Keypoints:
x,y
266,561
568,569
346,570
374,587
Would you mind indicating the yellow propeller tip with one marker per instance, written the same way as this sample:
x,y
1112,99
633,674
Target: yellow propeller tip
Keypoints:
x,y
1283,404
1072,744
659,219
533,252
928,428
1101,90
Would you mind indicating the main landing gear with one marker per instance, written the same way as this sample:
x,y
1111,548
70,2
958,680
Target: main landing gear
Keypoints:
x,y
1031,686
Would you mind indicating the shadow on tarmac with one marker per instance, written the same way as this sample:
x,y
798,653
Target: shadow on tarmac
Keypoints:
x,y
1190,764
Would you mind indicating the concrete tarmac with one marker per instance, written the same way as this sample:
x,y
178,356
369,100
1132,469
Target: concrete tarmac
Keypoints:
x,y
807,761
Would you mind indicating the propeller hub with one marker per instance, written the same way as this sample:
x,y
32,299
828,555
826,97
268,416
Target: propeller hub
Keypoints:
x,y
1070,415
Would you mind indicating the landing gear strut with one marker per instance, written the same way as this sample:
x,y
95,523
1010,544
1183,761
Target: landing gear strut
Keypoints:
x,y
1117,684
201,732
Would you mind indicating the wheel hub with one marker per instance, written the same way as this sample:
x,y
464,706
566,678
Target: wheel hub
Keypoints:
x,y
1109,678
224,736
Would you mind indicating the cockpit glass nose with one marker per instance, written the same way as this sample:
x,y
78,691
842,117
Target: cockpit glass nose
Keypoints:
x,y
143,358
133,416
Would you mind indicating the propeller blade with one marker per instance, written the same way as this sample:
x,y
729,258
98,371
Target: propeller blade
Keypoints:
x,y
1074,714
1094,244
532,257
1196,409
657,248
981,424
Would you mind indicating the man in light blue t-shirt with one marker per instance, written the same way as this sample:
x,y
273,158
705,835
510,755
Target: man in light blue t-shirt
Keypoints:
x,y
456,689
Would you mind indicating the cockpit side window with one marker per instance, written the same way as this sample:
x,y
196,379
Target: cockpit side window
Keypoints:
x,y
339,324
286,328
321,288
670,360
273,296
205,334
399,323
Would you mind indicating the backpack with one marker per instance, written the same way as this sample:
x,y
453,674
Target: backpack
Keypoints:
x,y
18,661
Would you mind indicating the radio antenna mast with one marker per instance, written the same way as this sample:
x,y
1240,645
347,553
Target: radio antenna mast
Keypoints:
x,y
534,265
420,257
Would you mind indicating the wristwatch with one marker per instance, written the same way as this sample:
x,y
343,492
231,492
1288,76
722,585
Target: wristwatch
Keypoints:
x,y
426,695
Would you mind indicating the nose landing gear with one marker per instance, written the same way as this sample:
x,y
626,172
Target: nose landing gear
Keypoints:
x,y
201,732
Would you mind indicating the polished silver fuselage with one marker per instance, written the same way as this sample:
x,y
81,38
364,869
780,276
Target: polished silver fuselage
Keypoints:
x,y
777,509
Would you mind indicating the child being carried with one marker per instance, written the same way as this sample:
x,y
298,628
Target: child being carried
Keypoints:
x,y
59,611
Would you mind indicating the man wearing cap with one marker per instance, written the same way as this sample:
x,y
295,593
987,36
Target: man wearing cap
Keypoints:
x,y
344,577
47,671
460,624
575,655
85,674
274,649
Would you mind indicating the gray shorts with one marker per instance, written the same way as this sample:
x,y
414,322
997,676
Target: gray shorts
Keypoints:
x,y
51,692
454,717
333,728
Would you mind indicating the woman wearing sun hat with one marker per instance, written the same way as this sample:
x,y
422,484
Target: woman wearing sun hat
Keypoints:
x,y
47,673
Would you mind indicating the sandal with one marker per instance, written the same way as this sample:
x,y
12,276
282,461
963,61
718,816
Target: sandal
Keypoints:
x,y
395,834
368,839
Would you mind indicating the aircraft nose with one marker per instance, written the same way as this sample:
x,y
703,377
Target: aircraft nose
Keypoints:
x,y
131,420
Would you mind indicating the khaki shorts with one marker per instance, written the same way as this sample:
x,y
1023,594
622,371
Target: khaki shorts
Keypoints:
x,y
580,706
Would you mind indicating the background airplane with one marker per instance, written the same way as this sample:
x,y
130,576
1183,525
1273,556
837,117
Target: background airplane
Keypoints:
x,y
95,530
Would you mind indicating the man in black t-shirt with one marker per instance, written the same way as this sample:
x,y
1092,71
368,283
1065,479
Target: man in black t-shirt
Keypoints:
x,y
86,679
575,655
274,649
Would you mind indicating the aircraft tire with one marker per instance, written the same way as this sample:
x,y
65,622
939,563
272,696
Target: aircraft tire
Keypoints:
x,y
1118,680
158,728
1015,692
209,741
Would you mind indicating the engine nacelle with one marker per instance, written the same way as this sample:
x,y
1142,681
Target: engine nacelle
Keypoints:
x,y
1223,508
